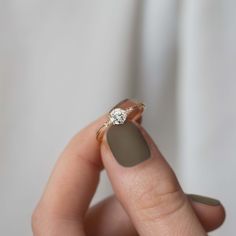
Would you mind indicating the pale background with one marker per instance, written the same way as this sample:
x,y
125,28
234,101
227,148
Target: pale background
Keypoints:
x,y
63,63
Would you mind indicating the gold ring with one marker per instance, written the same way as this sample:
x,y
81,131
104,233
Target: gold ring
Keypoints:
x,y
118,116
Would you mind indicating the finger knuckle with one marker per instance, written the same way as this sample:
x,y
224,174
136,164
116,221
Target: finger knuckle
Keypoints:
x,y
40,220
36,219
154,204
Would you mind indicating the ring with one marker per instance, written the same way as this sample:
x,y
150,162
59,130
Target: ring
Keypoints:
x,y
118,116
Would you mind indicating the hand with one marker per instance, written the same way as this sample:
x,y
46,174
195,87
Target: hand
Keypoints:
x,y
148,198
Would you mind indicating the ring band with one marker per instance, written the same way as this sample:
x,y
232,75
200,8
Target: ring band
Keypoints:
x,y
118,116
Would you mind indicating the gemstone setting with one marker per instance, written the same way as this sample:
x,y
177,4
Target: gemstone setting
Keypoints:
x,y
118,116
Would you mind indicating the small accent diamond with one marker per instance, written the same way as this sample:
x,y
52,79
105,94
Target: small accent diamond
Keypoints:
x,y
118,116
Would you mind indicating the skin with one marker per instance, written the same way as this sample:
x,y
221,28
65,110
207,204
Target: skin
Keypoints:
x,y
138,206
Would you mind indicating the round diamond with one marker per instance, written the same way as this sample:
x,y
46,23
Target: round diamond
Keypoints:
x,y
118,116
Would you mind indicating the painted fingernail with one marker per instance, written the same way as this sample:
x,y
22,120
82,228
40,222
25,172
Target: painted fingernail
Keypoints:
x,y
127,144
204,200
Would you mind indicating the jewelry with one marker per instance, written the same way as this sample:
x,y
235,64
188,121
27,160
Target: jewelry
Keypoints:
x,y
118,116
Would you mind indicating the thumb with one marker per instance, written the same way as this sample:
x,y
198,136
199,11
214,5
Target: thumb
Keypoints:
x,y
145,184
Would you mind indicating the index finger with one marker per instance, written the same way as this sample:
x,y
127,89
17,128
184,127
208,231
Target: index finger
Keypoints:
x,y
72,182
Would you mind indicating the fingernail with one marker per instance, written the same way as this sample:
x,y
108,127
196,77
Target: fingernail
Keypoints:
x,y
204,200
127,144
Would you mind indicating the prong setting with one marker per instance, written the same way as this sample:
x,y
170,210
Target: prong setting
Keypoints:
x,y
118,116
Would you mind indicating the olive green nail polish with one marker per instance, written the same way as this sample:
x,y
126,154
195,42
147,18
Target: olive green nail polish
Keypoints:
x,y
204,200
127,144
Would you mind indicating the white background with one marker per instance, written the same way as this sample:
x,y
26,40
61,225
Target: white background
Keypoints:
x,y
63,63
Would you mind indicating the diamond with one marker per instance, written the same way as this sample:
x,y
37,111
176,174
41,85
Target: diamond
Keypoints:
x,y
118,116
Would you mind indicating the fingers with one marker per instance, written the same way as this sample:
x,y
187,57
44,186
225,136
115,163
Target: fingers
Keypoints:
x,y
71,186
148,189
145,184
109,218
210,212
